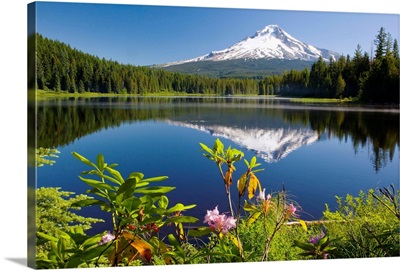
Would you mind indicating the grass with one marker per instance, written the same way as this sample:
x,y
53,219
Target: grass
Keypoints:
x,y
323,100
41,94
45,94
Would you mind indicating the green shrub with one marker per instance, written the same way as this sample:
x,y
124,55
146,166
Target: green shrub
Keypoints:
x,y
368,224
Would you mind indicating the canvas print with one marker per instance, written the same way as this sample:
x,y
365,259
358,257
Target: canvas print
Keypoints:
x,y
165,135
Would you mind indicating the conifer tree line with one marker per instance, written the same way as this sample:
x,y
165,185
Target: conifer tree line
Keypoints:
x,y
61,68
368,78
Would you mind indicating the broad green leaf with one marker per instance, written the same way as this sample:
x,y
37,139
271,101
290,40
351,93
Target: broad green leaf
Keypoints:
x,y
163,202
47,237
332,248
142,184
112,165
138,175
116,174
304,246
180,207
323,242
207,149
155,179
90,172
147,202
175,243
182,219
54,250
74,261
111,179
105,208
199,232
173,255
159,211
64,235
249,207
126,190
98,192
237,157
84,160
154,190
61,248
218,146
96,184
100,162
87,202
253,162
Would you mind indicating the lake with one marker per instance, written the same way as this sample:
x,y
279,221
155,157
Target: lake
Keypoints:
x,y
317,151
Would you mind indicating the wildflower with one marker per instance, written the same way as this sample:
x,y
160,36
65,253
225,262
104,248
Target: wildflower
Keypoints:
x,y
261,196
292,209
228,224
106,238
211,215
217,222
314,240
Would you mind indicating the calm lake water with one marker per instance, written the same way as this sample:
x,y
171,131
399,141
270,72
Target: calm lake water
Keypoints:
x,y
317,151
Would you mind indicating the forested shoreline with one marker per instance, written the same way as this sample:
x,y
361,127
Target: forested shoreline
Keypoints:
x,y
367,79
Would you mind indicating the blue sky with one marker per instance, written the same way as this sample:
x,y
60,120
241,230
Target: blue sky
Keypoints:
x,y
145,35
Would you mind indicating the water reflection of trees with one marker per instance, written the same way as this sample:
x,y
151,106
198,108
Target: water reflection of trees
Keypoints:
x,y
61,121
377,132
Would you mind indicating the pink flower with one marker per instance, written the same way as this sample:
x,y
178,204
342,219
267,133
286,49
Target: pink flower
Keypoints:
x,y
292,209
108,237
211,216
217,222
228,224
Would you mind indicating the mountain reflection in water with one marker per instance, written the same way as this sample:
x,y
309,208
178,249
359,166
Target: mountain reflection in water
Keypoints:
x,y
271,145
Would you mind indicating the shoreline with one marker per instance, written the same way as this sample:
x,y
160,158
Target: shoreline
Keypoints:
x,y
345,103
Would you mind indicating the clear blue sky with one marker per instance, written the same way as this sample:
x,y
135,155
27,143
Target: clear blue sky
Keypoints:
x,y
145,35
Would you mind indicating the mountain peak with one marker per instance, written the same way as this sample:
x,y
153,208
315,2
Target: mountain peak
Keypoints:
x,y
271,42
271,28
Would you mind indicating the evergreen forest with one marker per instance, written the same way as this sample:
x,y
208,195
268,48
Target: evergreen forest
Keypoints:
x,y
363,77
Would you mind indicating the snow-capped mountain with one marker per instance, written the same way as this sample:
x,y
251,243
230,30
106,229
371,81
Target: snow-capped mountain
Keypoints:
x,y
272,42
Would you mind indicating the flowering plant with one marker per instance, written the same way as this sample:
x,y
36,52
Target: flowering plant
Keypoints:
x,y
219,223
318,246
275,210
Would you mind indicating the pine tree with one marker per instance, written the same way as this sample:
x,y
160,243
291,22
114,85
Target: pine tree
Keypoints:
x,y
380,43
396,52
